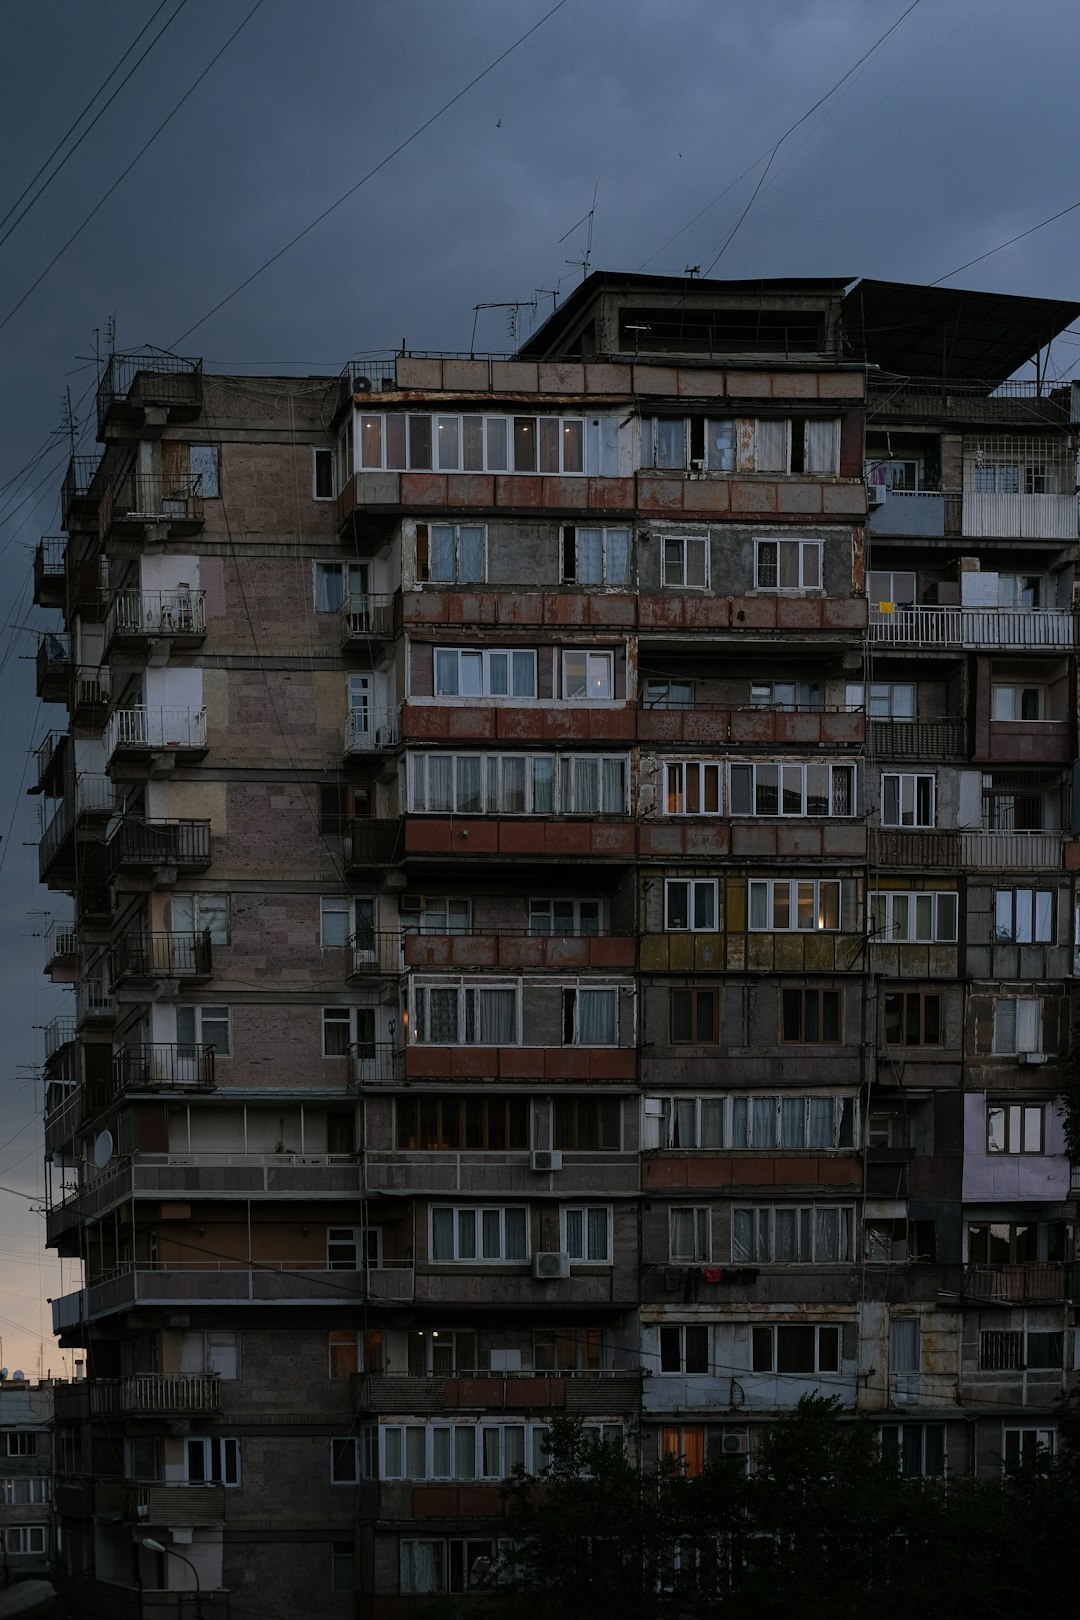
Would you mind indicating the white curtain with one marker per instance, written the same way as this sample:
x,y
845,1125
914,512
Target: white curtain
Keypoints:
x,y
471,551
822,445
597,1017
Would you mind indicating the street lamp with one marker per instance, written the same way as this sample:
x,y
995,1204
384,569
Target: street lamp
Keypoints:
x,y
171,1552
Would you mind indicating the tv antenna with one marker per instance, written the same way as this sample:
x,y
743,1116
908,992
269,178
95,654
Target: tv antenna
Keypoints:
x,y
583,264
513,320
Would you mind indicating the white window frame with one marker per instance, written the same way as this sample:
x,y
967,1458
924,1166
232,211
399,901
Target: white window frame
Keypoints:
x,y
571,1011
576,929
909,787
485,661
769,561
582,1216
789,697
351,578
914,916
699,1217
221,1460
1031,916
468,1015
476,1213
759,1224
1011,695
350,916
353,1248
685,563
1018,1025
493,428
26,1540
439,914
212,1351
742,1118
689,785
658,694
599,675
697,889
791,776
615,547
882,700
203,1015
25,1490
785,897
426,541
549,783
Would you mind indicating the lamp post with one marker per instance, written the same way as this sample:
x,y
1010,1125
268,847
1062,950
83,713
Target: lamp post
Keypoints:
x,y
171,1552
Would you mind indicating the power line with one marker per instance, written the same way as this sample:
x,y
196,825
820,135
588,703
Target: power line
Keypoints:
x,y
1002,245
101,111
139,154
369,175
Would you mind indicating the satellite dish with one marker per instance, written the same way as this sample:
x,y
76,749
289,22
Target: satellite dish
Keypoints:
x,y
103,1149
18,1376
3,1375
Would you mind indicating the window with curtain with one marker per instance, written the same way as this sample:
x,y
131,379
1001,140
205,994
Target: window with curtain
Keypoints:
x,y
587,1233
904,1332
792,1234
591,1017
689,1233
488,1232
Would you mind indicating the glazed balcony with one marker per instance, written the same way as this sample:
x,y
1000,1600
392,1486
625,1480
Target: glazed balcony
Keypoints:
x,y
137,500
162,1066
919,739
372,732
366,619
139,844
543,1064
1037,1281
138,618
50,571
183,955
973,849
141,732
604,837
490,1175
164,387
53,667
1013,629
372,844
513,951
371,953
597,1393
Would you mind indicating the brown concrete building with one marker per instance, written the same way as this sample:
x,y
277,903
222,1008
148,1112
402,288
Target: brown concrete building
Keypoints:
x,y
559,925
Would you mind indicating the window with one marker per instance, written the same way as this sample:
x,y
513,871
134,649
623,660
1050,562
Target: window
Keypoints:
x,y
441,1566
1018,703
461,672
1023,591
725,445
451,553
792,1234
1010,1350
765,1122
342,1566
778,789
336,581
492,1233
914,1449
25,1492
1018,1026
694,1017
403,441
204,463
351,1458
587,1124
211,1461
204,1026
690,904
904,1344
348,1247
788,565
691,788
907,799
913,1018
346,1029
883,700
590,1017
811,1017
689,1233
210,1351
344,918
455,1123
790,696
893,472
596,556
684,1445
684,562
567,1350
895,588
898,918
449,1014
667,695
1017,1243
22,1539
1024,916
790,1349
586,1233
587,677
785,904
354,1350
684,1349
1021,1445
323,470
1015,1127
199,914
518,784
570,919
436,914
338,805
21,1443
441,1352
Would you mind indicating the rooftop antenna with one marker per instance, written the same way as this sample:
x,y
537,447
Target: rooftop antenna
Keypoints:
x,y
67,420
514,305
584,263
692,270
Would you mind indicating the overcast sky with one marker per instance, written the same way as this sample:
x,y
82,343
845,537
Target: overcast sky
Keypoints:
x,y
957,134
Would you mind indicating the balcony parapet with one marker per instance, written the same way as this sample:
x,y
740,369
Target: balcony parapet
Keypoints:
x,y
152,730
217,1175
1017,629
58,1033
137,499
366,617
141,843
93,1003
515,950
60,947
77,499
136,617
48,764
50,571
374,1063
962,399
676,611
918,739
162,1066
134,383
373,953
373,843
976,849
53,667
484,1175
608,1392
183,954
1049,1281
372,732
153,1393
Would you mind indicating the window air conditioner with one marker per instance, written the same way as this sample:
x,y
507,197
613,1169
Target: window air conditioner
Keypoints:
x,y
550,1265
545,1159
876,493
734,1442
1031,1057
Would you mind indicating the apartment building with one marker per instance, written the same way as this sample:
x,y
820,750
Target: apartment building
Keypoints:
x,y
573,912
27,1539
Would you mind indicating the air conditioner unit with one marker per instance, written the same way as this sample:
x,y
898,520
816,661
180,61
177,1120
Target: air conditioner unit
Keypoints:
x,y
734,1442
545,1159
876,493
1031,1057
550,1265
361,385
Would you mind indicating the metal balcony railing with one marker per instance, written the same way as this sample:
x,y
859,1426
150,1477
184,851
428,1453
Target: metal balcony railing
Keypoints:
x,y
93,1001
162,1066
139,614
81,472
1019,628
133,729
968,400
977,848
371,842
151,498
370,951
53,661
365,617
139,842
60,941
92,796
170,1392
149,379
1022,1284
918,739
375,1062
45,753
58,1032
50,569
91,685
179,955
371,732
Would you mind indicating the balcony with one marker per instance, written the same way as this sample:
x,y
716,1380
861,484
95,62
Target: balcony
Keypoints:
x,y
57,1034
605,837
368,732
1031,1283
975,849
915,514
219,1175
88,806
371,845
49,758
918,739
63,1113
135,385
137,618
681,613
77,505
61,950
492,1175
373,954
1017,629
703,725
152,1503
50,571
376,1063
514,950
53,667
162,1066
604,1393
1019,517
366,619
94,1003
131,733
607,1065
152,1393
177,955
142,845
962,400
91,686
138,499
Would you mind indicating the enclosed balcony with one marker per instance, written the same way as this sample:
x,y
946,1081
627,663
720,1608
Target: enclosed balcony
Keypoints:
x,y
50,571
137,618
162,1066
139,844
131,733
53,667
366,619
165,387
146,956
